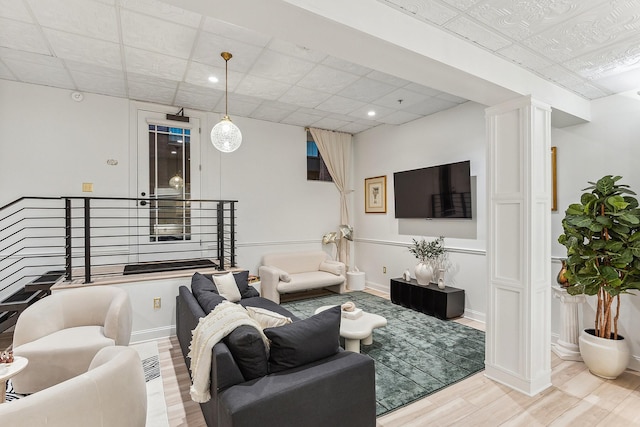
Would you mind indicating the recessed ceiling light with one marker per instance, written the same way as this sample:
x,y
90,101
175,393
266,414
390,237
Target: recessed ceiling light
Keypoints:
x,y
371,113
213,79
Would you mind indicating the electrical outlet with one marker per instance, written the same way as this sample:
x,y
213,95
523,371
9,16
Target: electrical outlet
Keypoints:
x,y
156,303
384,270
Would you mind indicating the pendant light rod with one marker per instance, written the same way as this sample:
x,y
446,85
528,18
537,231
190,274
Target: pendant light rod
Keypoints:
x,y
226,56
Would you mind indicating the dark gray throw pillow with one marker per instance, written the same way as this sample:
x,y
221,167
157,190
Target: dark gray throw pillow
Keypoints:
x,y
304,341
247,348
205,292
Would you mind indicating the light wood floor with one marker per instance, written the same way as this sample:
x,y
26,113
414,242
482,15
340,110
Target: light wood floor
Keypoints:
x,y
576,398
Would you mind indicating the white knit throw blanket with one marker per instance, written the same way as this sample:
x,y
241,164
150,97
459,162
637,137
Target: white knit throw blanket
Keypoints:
x,y
211,329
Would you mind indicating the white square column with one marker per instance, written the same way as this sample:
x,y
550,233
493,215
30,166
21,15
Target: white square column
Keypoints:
x,y
518,337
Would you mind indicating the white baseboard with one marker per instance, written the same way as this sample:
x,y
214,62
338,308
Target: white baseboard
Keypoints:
x,y
378,287
474,315
152,334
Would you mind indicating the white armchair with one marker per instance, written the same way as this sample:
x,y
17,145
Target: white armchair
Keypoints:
x,y
111,392
61,334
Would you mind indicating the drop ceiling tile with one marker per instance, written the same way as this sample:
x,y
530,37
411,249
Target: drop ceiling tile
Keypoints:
x,y
34,58
83,17
198,74
151,81
47,73
340,105
261,88
15,9
303,97
197,98
330,123
242,106
209,46
149,92
313,112
270,113
608,23
296,51
105,85
560,75
164,11
299,118
22,36
388,79
349,67
5,73
235,32
354,127
424,90
156,35
521,19
327,79
398,118
426,10
589,91
362,112
524,57
451,98
84,49
608,61
366,90
408,98
96,70
477,33
154,64
279,67
462,4
429,106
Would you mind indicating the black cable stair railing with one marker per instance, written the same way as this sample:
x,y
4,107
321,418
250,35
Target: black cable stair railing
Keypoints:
x,y
44,240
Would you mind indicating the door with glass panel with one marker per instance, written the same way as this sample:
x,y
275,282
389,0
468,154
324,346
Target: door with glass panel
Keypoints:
x,y
165,185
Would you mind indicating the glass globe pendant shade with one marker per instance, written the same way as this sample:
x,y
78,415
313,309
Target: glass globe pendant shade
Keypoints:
x,y
226,136
176,182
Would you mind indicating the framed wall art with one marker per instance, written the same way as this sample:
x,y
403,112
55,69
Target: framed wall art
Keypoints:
x,y
375,194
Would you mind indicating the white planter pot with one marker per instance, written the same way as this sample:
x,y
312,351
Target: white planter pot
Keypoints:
x,y
604,358
424,273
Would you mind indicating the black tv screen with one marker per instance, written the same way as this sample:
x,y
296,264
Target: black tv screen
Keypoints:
x,y
442,191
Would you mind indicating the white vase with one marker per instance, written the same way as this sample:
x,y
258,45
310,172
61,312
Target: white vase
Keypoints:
x,y
441,284
604,358
423,273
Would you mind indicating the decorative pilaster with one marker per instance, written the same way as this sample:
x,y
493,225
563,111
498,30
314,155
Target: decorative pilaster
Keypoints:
x,y
518,339
567,347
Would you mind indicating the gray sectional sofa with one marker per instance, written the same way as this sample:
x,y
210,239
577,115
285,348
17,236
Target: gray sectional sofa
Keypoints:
x,y
315,383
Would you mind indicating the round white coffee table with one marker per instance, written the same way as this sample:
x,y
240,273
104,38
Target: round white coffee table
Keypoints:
x,y
357,330
8,370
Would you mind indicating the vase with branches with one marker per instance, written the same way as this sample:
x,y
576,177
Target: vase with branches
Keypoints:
x,y
432,258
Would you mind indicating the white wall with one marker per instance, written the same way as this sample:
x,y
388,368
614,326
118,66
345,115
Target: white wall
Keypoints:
x,y
608,145
50,145
450,136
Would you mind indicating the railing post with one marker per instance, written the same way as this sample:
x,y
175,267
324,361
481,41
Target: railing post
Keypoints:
x,y
67,239
87,240
232,230
220,236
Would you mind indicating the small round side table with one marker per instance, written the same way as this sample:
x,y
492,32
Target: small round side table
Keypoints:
x,y
8,370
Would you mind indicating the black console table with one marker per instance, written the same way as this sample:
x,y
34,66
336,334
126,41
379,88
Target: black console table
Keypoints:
x,y
444,303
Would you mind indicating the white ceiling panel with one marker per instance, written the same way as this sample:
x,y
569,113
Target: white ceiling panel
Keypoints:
x,y
154,64
151,51
89,18
304,97
164,11
22,36
84,49
327,79
282,68
156,35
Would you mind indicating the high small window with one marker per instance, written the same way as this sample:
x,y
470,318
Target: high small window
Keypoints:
x,y
316,169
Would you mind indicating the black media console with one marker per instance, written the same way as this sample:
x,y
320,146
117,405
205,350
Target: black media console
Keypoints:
x,y
444,303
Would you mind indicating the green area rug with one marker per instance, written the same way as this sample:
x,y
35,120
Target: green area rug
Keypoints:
x,y
415,354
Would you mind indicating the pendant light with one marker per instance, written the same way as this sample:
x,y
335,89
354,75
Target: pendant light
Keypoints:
x,y
226,136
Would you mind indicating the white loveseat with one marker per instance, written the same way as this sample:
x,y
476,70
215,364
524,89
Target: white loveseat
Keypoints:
x,y
282,273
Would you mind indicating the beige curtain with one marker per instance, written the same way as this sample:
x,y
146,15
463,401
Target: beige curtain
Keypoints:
x,y
335,148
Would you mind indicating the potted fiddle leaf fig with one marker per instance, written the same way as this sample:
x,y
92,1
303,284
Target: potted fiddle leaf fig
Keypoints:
x,y
603,259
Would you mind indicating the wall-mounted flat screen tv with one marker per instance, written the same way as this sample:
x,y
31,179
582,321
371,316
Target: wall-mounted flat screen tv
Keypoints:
x,y
442,191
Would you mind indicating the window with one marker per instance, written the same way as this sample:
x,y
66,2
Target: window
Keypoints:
x,y
316,169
